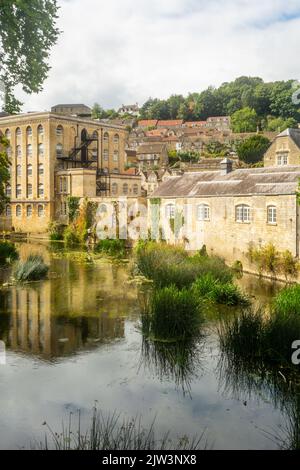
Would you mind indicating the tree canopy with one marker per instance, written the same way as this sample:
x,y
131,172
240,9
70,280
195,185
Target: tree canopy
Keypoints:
x,y
27,33
252,150
259,101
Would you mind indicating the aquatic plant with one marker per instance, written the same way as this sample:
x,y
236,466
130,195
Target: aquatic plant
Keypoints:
x,y
171,265
112,247
172,314
111,432
33,269
270,261
8,252
212,289
287,301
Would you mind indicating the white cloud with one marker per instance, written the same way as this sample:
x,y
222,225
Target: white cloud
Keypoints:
x,y
125,51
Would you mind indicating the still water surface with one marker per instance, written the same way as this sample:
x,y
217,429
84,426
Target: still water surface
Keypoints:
x,y
75,338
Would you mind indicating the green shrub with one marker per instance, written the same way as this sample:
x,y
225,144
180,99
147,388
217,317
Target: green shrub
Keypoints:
x,y
269,260
167,265
113,247
55,231
172,314
33,269
70,236
287,301
8,252
222,293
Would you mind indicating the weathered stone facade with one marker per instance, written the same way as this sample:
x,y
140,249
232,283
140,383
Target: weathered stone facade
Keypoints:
x,y
53,156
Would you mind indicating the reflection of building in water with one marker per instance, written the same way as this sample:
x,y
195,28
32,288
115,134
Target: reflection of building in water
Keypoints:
x,y
32,328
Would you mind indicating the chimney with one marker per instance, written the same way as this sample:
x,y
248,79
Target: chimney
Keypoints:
x,y
226,166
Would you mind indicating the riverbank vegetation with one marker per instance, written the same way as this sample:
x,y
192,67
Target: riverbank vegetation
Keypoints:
x,y
206,277
112,247
8,252
269,260
33,269
111,432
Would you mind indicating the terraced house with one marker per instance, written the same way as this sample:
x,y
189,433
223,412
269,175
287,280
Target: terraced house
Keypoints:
x,y
54,156
230,210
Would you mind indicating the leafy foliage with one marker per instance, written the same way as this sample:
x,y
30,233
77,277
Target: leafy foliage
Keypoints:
x,y
27,33
8,252
253,149
113,247
271,261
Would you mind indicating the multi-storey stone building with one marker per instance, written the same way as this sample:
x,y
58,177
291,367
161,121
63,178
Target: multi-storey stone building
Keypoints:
x,y
55,156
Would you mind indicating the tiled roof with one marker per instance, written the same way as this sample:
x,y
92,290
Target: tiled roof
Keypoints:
x,y
170,123
147,123
243,182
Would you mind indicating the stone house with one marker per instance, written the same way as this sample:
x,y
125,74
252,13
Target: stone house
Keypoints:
x,y
230,210
54,156
285,149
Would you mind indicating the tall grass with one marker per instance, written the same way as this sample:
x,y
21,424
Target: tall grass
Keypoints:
x,y
254,336
112,433
33,269
168,265
219,292
288,301
172,314
8,252
112,247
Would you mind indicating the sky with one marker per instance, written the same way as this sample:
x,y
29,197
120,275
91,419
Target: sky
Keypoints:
x,y
124,51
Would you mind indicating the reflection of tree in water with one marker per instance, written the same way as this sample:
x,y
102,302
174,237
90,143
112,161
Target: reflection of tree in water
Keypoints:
x,y
245,379
177,361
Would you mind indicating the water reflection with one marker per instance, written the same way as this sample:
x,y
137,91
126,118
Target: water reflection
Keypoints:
x,y
245,380
80,307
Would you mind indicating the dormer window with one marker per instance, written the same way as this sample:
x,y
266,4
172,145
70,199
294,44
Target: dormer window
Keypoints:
x,y
282,159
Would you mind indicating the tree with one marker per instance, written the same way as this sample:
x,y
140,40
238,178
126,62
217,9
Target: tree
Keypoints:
x,y
215,149
97,111
244,120
252,150
279,124
27,33
4,171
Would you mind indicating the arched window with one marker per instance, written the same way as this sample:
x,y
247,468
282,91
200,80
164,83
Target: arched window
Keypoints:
x,y
29,211
18,210
41,150
115,170
9,151
105,171
106,137
41,190
40,130
19,170
116,139
29,190
105,155
29,131
203,212
7,134
114,188
95,135
59,150
272,214
8,190
125,188
29,150
59,130
135,189
18,151
116,156
242,213
8,211
170,211
29,170
41,210
18,190
18,132
41,169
